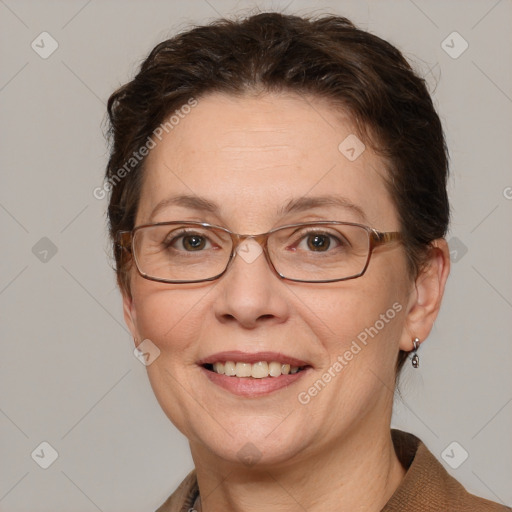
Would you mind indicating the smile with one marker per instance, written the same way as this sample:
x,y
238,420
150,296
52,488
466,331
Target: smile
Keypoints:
x,y
259,370
252,375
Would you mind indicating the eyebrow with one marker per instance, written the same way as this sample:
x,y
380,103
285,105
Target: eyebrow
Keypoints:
x,y
307,203
186,201
300,204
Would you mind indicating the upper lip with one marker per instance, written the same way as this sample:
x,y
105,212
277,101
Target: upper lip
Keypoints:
x,y
251,357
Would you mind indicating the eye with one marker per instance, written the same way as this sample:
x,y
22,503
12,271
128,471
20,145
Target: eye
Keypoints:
x,y
193,242
318,242
186,240
321,241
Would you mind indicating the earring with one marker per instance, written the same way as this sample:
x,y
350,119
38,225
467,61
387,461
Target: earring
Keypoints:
x,y
415,357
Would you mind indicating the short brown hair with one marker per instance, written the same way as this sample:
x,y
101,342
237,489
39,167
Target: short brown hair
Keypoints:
x,y
326,57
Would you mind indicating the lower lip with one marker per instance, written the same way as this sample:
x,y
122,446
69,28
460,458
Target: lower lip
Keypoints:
x,y
251,387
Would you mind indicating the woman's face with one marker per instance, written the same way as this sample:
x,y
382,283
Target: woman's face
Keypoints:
x,y
252,157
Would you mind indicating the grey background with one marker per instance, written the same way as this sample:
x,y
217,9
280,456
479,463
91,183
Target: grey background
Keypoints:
x,y
68,374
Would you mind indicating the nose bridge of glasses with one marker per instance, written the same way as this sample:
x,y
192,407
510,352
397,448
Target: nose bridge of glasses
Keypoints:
x,y
260,239
247,253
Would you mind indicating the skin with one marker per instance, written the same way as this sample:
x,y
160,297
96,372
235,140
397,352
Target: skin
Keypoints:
x,y
251,155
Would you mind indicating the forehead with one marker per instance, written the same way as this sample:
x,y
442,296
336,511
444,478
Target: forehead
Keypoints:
x,y
251,156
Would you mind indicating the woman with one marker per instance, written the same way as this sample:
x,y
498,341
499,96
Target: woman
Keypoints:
x,y
278,211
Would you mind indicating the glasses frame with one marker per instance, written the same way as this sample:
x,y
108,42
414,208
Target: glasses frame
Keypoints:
x,y
376,238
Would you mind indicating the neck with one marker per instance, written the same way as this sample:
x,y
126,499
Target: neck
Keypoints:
x,y
360,472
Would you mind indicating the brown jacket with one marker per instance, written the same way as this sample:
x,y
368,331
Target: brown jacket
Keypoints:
x,y
426,487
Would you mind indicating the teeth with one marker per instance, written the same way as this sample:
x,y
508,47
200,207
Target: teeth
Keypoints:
x,y
229,368
259,370
218,368
274,369
243,370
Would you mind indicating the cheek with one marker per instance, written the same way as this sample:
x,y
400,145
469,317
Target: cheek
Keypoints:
x,y
170,317
359,321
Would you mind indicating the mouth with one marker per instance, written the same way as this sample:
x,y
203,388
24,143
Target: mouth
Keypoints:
x,y
259,370
253,375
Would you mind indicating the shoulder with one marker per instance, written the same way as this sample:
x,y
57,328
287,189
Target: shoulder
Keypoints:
x,y
427,486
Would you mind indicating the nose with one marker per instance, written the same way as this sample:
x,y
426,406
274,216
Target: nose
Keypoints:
x,y
250,293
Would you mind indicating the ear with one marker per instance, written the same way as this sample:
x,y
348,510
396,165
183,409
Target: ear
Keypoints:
x,y
426,295
129,313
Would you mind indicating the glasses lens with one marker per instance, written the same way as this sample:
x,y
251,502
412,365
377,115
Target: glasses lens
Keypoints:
x,y
320,252
181,252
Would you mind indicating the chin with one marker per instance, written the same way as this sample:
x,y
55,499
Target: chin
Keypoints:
x,y
256,454
254,442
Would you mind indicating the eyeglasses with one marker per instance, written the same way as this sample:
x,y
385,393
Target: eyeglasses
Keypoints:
x,y
309,252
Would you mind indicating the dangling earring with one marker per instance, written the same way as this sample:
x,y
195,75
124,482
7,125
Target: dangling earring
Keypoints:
x,y
415,357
